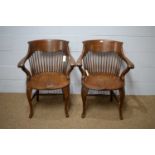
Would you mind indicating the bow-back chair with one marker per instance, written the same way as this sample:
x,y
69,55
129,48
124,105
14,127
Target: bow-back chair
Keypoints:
x,y
100,65
50,66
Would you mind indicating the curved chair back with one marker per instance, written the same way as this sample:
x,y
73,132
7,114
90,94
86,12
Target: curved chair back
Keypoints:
x,y
48,56
102,56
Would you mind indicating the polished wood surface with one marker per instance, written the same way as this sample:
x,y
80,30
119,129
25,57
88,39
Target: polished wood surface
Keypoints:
x,y
49,80
102,81
50,66
102,45
100,64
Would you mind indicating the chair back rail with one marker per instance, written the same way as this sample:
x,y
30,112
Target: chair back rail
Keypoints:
x,y
102,46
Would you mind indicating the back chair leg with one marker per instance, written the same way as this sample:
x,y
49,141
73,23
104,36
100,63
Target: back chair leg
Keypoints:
x,y
111,95
29,95
84,92
37,93
66,94
69,102
122,96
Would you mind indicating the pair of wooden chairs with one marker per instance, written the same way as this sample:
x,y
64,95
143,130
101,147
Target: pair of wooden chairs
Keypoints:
x,y
51,63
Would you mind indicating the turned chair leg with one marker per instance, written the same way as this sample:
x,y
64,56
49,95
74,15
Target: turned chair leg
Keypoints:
x,y
122,96
69,103
37,93
29,94
66,99
84,92
111,95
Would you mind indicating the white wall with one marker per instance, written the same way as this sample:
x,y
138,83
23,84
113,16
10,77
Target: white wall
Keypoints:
x,y
139,44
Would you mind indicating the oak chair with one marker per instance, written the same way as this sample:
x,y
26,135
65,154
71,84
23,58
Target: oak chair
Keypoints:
x,y
100,65
50,66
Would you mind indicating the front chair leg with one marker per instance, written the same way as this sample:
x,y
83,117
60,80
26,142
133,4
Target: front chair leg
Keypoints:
x,y
84,92
122,96
29,95
66,99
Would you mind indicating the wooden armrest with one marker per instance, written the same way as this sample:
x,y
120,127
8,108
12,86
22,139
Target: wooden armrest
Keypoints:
x,y
72,61
21,65
22,62
79,61
72,64
128,62
83,72
79,65
130,65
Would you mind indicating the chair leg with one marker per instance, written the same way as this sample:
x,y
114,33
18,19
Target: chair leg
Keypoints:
x,y
84,92
111,95
66,94
29,94
69,102
122,96
37,93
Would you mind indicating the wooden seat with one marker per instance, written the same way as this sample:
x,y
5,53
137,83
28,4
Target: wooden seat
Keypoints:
x,y
50,66
102,81
49,80
100,65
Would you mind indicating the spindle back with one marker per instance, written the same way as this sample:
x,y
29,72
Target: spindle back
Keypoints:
x,y
102,56
48,56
